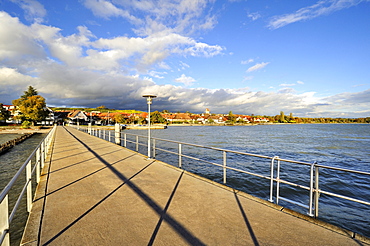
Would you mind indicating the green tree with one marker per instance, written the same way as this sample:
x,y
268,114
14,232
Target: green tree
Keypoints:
x,y
231,117
282,117
156,117
4,114
29,93
31,106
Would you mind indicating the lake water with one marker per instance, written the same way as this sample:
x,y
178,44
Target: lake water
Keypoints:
x,y
338,145
10,162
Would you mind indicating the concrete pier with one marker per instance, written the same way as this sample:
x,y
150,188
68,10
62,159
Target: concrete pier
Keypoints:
x,y
94,192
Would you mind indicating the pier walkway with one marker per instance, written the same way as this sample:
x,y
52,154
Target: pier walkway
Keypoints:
x,y
94,192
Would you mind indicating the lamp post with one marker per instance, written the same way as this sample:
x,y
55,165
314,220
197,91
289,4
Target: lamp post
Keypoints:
x,y
149,101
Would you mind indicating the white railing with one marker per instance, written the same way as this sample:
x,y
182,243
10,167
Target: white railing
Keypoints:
x,y
274,163
38,156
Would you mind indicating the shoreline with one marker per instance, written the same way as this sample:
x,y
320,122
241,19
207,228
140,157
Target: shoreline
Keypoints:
x,y
269,124
23,131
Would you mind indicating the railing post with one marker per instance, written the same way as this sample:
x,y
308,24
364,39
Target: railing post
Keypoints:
x,y
109,136
278,182
317,193
272,178
153,144
180,153
4,222
38,165
312,167
124,140
137,143
42,155
29,186
224,162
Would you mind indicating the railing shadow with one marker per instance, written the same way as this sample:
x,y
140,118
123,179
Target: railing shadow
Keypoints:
x,y
249,226
77,180
75,154
164,215
180,229
80,162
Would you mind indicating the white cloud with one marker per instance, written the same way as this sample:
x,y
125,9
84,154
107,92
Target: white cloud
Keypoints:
x,y
83,50
188,81
254,16
360,85
34,11
247,61
17,41
286,90
154,49
322,7
151,16
258,66
247,78
157,75
287,85
106,9
183,65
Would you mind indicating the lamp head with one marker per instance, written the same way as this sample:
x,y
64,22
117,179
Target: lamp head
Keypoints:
x,y
149,98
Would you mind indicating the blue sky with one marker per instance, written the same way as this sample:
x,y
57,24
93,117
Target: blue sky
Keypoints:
x,y
309,58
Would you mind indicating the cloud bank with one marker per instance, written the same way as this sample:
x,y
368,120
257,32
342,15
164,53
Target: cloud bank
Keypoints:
x,y
84,70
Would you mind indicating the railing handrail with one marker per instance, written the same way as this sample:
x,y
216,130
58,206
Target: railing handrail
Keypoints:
x,y
9,186
254,155
42,146
249,154
313,187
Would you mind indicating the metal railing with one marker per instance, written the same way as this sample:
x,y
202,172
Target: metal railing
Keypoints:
x,y
274,163
30,168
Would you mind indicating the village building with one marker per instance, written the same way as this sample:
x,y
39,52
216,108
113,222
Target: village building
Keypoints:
x,y
78,117
14,112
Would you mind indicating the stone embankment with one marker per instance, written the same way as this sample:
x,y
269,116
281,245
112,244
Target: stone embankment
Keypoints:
x,y
10,144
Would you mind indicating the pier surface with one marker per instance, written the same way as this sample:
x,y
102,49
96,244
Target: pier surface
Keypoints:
x,y
94,192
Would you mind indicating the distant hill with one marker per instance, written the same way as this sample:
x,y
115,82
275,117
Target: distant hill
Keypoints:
x,y
102,110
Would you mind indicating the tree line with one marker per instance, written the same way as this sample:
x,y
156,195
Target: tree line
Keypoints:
x,y
282,118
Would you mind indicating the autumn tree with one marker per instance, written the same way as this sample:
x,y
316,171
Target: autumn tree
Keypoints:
x,y
102,107
156,117
118,118
32,106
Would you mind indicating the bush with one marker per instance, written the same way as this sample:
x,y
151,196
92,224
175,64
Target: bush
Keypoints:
x,y
26,124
